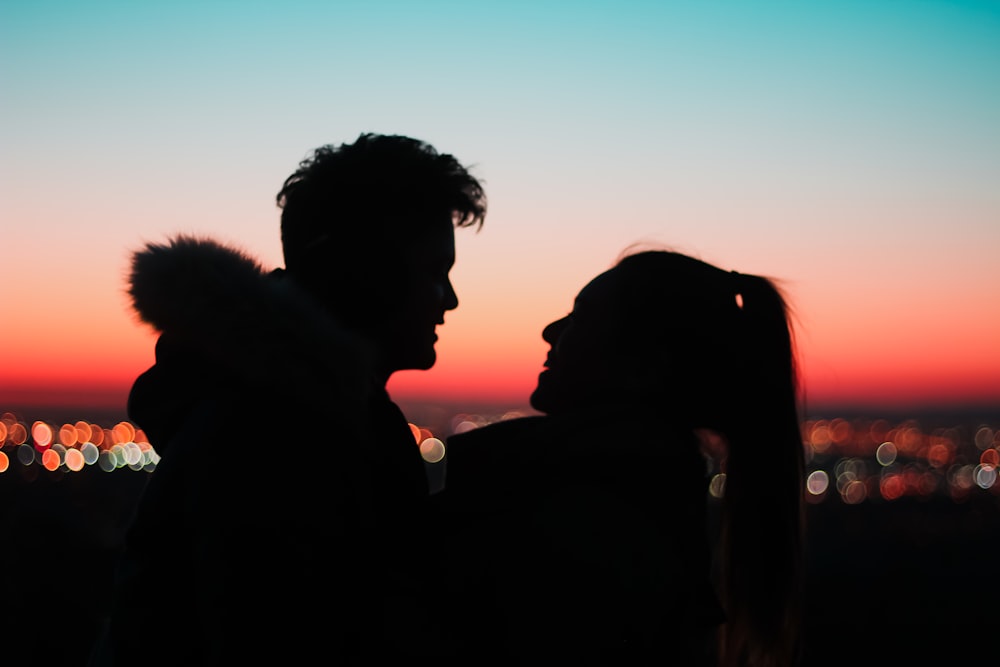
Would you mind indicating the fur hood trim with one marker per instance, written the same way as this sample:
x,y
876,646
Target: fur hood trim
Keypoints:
x,y
257,325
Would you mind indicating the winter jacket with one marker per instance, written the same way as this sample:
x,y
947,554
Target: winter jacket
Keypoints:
x,y
270,531
579,539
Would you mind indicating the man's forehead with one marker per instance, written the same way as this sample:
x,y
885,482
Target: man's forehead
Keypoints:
x,y
438,242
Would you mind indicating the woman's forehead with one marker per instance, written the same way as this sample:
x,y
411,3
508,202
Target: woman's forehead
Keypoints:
x,y
599,291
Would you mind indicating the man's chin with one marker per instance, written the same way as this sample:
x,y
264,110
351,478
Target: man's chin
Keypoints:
x,y
423,362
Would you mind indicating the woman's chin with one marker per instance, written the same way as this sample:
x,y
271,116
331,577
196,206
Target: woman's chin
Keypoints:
x,y
543,398
537,399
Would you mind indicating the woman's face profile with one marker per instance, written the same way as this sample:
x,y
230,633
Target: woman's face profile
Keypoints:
x,y
586,363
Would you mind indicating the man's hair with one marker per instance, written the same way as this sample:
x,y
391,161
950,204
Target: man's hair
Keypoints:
x,y
379,190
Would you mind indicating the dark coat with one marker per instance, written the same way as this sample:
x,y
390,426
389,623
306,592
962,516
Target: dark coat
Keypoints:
x,y
270,531
578,540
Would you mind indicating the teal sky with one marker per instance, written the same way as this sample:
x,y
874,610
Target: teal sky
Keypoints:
x,y
852,148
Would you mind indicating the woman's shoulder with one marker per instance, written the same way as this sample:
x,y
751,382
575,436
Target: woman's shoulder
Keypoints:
x,y
607,436
498,432
489,455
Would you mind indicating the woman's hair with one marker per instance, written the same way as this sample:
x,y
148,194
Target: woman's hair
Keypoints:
x,y
721,347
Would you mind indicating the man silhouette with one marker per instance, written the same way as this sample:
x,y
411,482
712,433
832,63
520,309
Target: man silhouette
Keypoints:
x,y
284,517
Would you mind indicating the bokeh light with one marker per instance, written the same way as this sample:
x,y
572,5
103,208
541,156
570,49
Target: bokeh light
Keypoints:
x,y
986,476
984,437
432,450
50,459
886,453
90,453
961,477
76,445
717,485
106,461
84,431
25,455
863,460
939,455
465,425
17,434
819,436
892,486
41,434
132,454
854,492
74,460
68,435
60,452
817,482
123,432
118,455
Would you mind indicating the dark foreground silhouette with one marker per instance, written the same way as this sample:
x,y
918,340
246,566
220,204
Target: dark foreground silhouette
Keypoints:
x,y
234,557
583,535
887,583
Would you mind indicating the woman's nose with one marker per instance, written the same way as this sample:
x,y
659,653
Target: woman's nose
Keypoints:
x,y
551,333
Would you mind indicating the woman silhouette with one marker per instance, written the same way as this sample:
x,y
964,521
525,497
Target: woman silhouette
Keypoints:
x,y
587,536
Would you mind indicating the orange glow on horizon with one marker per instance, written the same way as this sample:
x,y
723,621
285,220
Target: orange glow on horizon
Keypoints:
x,y
880,373
512,384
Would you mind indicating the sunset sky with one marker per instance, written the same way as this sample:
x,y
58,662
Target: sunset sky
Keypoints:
x,y
849,149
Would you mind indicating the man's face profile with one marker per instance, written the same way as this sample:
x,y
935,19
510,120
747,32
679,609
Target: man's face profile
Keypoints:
x,y
415,295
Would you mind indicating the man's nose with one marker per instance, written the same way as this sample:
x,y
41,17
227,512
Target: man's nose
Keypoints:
x,y
450,298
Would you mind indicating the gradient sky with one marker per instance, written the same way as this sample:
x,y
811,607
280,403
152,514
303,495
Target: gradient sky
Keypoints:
x,y
850,149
